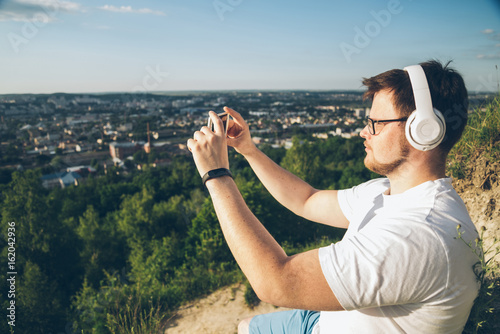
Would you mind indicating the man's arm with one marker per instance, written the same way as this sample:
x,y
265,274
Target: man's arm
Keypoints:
x,y
320,206
291,281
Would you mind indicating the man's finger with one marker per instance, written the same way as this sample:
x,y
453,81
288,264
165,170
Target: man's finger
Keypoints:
x,y
236,115
190,143
217,122
199,135
237,118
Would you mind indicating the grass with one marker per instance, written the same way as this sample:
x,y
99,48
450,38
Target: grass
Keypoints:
x,y
136,318
481,137
483,316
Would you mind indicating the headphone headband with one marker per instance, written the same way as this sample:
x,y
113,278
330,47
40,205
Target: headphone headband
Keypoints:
x,y
421,92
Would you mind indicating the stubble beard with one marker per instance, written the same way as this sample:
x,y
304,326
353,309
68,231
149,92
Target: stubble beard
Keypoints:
x,y
386,169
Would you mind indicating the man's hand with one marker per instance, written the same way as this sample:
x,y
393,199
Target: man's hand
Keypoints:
x,y
209,148
238,133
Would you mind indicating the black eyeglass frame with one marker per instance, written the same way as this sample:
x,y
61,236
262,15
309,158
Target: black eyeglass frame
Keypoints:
x,y
371,123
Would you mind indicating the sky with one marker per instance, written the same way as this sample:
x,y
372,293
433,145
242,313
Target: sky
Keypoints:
x,y
49,46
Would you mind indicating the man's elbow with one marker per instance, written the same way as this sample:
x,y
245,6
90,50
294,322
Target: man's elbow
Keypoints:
x,y
270,291
272,296
286,298
281,292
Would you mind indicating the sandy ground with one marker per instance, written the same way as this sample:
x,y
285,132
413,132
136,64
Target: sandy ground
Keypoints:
x,y
218,313
481,195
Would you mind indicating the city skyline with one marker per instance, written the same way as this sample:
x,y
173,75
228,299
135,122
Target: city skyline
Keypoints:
x,y
51,46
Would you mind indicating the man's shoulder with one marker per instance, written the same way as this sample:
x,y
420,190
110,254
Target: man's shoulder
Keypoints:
x,y
379,181
378,185
364,192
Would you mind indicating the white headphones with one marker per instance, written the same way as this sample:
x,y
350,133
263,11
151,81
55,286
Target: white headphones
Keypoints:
x,y
425,128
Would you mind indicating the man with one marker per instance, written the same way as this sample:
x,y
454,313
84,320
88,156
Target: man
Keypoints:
x,y
400,267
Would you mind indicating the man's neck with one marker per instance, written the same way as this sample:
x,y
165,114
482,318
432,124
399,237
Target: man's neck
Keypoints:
x,y
408,178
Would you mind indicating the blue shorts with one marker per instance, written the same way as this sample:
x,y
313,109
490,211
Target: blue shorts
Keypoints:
x,y
285,322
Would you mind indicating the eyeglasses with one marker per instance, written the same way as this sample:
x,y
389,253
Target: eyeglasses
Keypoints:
x,y
375,126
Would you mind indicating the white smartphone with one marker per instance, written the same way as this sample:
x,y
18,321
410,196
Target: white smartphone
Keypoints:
x,y
225,121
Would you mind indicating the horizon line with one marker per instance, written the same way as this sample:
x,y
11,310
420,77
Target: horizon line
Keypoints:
x,y
186,91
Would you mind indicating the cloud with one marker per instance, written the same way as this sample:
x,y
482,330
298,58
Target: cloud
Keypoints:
x,y
490,51
28,10
488,56
47,10
494,36
491,34
129,9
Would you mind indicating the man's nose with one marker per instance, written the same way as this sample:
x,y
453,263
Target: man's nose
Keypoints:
x,y
364,133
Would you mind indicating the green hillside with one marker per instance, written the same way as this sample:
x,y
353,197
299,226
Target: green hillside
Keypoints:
x,y
475,166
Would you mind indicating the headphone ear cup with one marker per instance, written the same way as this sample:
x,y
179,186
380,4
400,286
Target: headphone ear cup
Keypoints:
x,y
424,134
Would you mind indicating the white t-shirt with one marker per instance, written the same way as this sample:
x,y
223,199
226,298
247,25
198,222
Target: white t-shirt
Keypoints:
x,y
400,267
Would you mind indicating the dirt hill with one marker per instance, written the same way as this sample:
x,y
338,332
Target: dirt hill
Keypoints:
x,y
219,313
481,194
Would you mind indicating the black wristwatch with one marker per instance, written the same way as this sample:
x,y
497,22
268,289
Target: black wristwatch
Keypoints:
x,y
215,173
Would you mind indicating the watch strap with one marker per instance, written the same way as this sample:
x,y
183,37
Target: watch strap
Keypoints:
x,y
215,173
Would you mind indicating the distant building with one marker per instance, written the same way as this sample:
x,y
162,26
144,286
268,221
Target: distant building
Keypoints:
x,y
162,163
63,179
83,169
360,112
331,108
320,135
123,150
192,110
83,147
259,113
147,148
125,127
288,144
180,103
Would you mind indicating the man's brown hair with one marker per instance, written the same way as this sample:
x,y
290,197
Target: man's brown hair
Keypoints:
x,y
448,94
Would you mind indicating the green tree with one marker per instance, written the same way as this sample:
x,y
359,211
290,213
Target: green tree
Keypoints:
x,y
103,248
44,250
204,238
39,301
302,160
153,264
135,216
